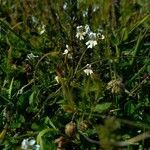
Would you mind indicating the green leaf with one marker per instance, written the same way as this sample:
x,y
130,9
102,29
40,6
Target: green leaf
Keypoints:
x,y
10,88
129,108
124,34
148,68
42,141
31,98
48,120
102,107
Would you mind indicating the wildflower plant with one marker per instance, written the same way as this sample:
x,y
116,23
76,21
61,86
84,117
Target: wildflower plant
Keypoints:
x,y
74,72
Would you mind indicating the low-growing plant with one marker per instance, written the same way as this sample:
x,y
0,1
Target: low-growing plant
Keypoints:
x,y
74,74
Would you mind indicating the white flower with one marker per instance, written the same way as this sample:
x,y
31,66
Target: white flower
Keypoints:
x,y
80,33
57,79
31,56
92,36
42,29
85,13
65,6
69,56
67,52
34,19
29,143
102,37
24,144
92,42
88,71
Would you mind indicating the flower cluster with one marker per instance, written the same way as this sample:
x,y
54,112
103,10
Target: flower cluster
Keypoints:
x,y
83,31
29,144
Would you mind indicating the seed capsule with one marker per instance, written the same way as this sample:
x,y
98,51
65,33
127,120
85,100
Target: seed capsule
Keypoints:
x,y
83,125
70,129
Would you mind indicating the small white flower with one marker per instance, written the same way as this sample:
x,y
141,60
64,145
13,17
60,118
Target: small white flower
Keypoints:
x,y
139,131
29,143
65,6
85,13
92,36
67,52
80,33
24,144
57,79
95,8
69,56
42,29
88,65
91,43
34,19
88,71
102,37
31,56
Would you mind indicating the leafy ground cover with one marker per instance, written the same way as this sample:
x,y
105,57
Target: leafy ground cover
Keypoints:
x,y
74,74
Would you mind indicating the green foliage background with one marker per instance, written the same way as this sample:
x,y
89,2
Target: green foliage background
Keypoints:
x,y
109,108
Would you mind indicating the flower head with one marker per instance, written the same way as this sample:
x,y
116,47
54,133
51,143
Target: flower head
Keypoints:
x,y
29,143
67,52
102,37
92,36
57,79
88,71
42,29
31,56
24,144
92,42
80,33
